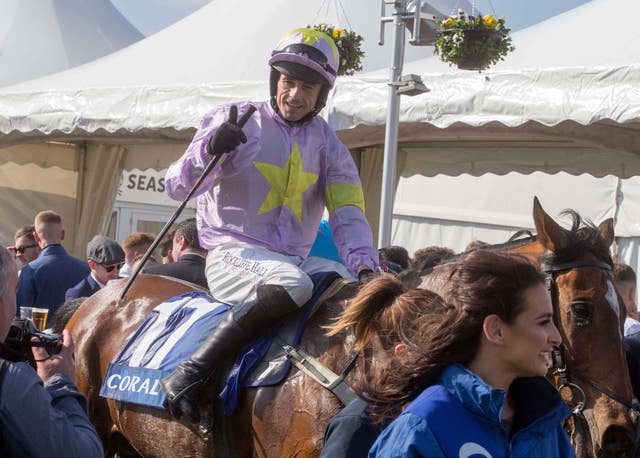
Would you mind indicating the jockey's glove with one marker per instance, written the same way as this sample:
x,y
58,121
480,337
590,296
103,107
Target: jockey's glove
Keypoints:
x,y
228,136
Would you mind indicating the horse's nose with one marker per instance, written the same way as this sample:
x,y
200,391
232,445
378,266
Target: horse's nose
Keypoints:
x,y
617,442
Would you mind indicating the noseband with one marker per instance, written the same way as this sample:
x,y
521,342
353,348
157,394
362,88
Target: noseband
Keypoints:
x,y
559,366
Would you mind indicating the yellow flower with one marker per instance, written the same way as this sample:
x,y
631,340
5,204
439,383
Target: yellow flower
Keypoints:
x,y
489,21
448,22
337,33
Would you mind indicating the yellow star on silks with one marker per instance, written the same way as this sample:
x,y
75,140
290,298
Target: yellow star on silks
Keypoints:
x,y
287,183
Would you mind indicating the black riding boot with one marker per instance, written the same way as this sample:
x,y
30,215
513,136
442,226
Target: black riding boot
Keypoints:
x,y
184,385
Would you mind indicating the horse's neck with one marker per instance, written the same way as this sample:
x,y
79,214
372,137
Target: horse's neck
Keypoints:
x,y
533,251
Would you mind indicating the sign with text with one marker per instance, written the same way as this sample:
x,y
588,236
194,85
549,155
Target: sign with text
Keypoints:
x,y
145,187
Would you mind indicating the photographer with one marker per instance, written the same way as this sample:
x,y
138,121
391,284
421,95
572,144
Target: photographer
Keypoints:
x,y
37,420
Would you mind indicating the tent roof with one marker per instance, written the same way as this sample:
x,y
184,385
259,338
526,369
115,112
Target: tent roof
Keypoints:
x,y
222,42
39,37
584,95
597,33
568,81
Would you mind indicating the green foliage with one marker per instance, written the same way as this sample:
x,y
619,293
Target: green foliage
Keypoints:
x,y
474,43
348,44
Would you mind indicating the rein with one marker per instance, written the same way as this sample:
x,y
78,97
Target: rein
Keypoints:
x,y
559,366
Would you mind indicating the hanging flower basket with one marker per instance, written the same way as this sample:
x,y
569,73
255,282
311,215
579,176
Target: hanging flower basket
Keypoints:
x,y
472,42
349,47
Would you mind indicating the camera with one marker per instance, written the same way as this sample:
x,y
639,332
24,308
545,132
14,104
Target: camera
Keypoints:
x,y
17,346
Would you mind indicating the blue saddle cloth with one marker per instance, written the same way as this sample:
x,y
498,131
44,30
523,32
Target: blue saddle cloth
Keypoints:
x,y
176,328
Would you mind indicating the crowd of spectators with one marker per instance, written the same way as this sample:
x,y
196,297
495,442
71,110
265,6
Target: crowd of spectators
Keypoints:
x,y
49,276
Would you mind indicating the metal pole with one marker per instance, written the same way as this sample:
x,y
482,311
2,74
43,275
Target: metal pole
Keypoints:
x,y
391,130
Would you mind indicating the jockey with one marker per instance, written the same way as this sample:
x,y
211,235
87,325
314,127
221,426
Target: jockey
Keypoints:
x,y
258,211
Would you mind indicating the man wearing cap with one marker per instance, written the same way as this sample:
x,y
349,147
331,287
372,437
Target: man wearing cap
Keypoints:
x,y
259,209
105,258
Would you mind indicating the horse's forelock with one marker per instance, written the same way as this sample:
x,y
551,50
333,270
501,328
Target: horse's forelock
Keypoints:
x,y
583,236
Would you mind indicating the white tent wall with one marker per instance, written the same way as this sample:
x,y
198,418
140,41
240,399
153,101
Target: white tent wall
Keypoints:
x,y
51,176
454,211
37,177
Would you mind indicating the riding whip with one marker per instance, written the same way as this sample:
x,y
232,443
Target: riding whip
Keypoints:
x,y
216,157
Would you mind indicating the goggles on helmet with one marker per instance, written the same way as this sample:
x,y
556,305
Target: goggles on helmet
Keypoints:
x,y
314,54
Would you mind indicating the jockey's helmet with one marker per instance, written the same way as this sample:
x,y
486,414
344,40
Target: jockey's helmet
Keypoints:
x,y
309,55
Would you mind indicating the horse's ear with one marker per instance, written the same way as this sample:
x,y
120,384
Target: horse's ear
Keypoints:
x,y
606,231
550,234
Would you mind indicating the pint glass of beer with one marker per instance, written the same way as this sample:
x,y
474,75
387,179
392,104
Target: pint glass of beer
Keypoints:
x,y
39,318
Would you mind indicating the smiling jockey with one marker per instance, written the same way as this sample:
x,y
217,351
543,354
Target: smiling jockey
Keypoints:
x,y
258,211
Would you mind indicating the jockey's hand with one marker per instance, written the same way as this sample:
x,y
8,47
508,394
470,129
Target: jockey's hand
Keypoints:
x,y
230,135
60,363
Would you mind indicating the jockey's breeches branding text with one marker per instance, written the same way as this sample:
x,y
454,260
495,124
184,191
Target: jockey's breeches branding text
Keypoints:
x,y
245,264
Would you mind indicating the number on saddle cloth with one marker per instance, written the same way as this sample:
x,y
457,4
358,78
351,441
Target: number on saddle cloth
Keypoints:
x,y
168,335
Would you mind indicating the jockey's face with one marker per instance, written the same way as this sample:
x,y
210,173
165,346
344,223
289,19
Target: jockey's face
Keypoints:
x,y
296,98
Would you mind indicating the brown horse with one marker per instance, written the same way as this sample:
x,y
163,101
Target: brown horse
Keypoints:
x,y
289,419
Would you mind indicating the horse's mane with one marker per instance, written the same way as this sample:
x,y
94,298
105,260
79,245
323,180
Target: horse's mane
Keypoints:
x,y
583,236
412,276
64,313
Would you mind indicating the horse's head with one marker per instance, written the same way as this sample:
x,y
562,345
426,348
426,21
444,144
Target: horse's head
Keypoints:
x,y
589,313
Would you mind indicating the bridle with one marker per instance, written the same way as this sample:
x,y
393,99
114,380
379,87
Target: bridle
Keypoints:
x,y
570,377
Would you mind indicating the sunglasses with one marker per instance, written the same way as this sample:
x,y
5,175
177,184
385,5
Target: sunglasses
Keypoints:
x,y
109,269
22,249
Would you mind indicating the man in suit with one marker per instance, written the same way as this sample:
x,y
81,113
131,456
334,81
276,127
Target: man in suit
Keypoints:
x,y
189,255
105,258
45,280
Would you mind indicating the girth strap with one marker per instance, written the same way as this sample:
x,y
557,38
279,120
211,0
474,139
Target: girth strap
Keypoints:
x,y
320,373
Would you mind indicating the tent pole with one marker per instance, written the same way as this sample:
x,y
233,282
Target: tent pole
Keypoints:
x,y
391,129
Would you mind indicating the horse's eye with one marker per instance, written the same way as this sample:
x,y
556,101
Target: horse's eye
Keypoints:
x,y
582,313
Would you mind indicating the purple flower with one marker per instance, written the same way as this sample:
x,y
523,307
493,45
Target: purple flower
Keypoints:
x,y
472,18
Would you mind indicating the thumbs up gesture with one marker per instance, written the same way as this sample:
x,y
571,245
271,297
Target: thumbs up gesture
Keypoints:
x,y
230,135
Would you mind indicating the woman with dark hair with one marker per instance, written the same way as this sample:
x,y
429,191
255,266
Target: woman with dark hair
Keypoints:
x,y
384,318
477,386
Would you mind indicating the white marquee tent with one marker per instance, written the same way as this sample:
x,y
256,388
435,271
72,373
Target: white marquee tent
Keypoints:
x,y
39,37
82,123
530,114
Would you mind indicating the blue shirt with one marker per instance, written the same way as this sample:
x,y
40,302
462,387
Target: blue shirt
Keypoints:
x,y
461,416
49,421
351,432
46,279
